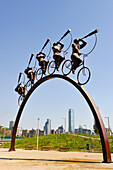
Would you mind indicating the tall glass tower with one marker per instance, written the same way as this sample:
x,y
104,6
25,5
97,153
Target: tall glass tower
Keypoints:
x,y
47,127
71,120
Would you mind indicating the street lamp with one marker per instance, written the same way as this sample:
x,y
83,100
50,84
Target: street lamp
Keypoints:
x,y
108,123
65,124
37,132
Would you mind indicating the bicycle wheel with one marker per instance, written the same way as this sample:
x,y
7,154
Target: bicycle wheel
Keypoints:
x,y
20,100
39,74
51,67
66,67
83,75
28,85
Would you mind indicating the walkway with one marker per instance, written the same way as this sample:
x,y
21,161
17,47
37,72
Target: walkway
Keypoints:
x,y
49,160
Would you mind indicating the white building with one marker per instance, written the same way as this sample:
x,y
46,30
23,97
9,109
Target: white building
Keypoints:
x,y
19,131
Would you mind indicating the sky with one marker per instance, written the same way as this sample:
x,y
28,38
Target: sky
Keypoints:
x,y
25,26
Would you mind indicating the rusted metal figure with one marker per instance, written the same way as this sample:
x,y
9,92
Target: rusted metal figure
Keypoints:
x,y
95,112
29,71
84,74
21,88
58,58
57,47
42,62
75,57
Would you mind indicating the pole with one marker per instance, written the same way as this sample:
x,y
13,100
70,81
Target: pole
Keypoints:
x,y
37,132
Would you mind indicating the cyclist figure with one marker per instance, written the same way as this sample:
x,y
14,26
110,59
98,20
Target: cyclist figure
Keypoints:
x,y
43,63
75,57
20,90
30,74
57,47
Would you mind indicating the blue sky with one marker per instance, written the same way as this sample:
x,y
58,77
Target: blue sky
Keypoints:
x,y
25,26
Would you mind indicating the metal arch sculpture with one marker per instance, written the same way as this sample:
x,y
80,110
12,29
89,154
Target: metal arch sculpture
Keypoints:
x,y
96,114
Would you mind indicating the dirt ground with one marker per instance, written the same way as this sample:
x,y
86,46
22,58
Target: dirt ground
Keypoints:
x,y
51,160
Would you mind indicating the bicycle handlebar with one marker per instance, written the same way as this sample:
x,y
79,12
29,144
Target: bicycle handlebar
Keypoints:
x,y
93,32
45,44
69,30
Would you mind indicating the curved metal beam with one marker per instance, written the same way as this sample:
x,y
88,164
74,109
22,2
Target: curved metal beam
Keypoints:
x,y
96,114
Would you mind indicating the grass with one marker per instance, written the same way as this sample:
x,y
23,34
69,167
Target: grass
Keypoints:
x,y
75,142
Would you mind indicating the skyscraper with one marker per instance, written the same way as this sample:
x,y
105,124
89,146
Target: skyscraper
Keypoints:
x,y
47,127
71,120
11,125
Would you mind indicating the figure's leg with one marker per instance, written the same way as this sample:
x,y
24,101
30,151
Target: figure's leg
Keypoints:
x,y
33,77
46,63
74,64
44,67
29,75
23,91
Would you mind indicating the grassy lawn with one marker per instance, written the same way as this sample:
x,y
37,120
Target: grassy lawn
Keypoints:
x,y
75,142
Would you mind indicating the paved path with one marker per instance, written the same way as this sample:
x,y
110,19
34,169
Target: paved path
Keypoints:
x,y
51,160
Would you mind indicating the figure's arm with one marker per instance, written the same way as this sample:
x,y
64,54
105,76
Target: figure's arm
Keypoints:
x,y
61,45
83,43
73,45
41,54
16,89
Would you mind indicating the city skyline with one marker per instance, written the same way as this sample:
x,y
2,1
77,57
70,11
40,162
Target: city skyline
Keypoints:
x,y
47,127
25,32
65,123
71,126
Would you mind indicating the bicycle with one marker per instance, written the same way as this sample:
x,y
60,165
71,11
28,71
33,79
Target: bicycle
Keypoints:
x,y
84,73
55,64
42,70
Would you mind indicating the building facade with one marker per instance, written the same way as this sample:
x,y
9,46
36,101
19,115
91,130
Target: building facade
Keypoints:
x,y
19,131
11,125
61,129
32,133
47,127
71,120
80,130
25,133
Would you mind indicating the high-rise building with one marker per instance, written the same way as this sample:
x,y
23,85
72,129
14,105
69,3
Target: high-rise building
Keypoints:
x,y
61,129
47,127
71,120
11,125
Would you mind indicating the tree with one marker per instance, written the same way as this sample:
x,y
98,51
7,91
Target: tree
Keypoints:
x,y
95,127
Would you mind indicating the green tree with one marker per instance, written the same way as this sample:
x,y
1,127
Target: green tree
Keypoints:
x,y
95,127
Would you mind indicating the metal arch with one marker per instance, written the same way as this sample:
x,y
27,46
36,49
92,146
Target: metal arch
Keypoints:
x,y
96,114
